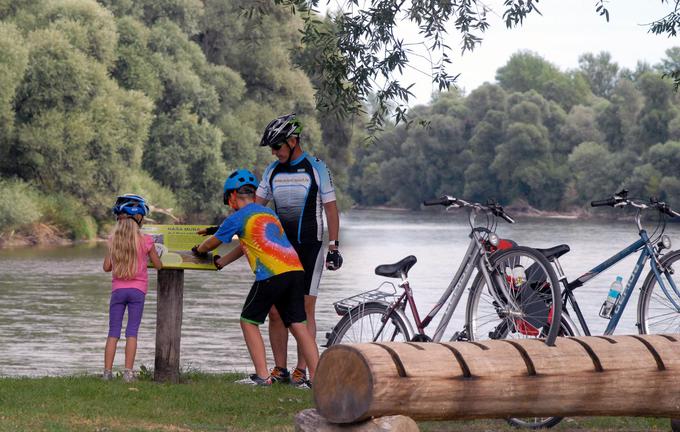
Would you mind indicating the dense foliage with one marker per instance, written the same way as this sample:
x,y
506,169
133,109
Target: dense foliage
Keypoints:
x,y
554,139
163,99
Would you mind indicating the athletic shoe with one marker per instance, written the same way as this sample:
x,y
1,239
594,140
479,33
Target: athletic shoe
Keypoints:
x,y
128,376
298,377
305,385
107,375
280,375
255,380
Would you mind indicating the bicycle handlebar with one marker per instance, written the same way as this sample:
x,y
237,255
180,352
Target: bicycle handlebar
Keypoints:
x,y
603,203
621,200
443,200
491,207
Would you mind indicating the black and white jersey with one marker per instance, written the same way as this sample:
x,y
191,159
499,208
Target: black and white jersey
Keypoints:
x,y
299,190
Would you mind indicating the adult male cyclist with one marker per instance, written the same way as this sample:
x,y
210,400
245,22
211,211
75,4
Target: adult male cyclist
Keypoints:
x,y
302,189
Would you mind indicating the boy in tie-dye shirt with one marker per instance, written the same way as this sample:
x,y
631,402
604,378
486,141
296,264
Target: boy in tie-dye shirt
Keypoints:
x,y
279,277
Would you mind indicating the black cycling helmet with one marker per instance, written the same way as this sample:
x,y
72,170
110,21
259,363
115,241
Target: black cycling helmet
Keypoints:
x,y
279,130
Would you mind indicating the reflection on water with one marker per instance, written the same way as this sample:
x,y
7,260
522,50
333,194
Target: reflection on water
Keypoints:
x,y
54,302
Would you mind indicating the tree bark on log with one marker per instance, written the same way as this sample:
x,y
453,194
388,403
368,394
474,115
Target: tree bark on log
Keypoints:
x,y
583,376
168,324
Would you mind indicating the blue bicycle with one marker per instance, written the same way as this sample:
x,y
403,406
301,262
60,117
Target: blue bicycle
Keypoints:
x,y
659,301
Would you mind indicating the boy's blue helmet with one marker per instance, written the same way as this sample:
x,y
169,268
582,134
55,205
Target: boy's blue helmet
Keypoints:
x,y
130,204
238,178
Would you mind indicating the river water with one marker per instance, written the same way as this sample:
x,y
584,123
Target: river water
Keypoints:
x,y
54,302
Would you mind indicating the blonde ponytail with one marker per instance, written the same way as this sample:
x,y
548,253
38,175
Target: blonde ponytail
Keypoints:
x,y
124,241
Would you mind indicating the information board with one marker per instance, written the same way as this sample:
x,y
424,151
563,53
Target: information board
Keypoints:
x,y
173,244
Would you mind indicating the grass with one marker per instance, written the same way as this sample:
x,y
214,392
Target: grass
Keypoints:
x,y
202,403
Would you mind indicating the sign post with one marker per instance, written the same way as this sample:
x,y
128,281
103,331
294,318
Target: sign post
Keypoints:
x,y
173,244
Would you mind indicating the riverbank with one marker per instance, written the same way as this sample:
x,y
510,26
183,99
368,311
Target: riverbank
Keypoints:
x,y
203,402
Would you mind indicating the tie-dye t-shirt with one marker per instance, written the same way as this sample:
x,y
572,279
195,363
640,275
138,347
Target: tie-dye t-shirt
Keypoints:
x,y
262,238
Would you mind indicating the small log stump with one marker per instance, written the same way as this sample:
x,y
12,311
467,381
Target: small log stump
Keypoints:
x,y
310,420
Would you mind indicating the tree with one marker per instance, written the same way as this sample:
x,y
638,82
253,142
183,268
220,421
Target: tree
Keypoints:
x,y
655,114
594,171
184,154
526,71
600,72
13,62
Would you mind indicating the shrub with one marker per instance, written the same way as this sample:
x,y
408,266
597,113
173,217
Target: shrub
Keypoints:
x,y
19,205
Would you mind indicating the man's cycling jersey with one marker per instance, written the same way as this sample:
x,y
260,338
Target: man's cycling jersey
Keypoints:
x,y
299,190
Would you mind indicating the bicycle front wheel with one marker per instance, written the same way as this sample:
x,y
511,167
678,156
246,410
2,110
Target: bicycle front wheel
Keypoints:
x,y
656,311
369,323
523,303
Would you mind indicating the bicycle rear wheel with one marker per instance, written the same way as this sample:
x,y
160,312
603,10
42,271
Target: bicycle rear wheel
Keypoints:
x,y
364,323
656,313
535,304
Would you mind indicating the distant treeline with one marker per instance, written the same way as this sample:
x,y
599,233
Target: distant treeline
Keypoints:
x,y
164,99
552,138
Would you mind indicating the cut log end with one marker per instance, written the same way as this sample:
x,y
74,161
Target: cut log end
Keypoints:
x,y
346,371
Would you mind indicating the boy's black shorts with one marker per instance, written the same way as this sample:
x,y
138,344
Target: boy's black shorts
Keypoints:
x,y
285,291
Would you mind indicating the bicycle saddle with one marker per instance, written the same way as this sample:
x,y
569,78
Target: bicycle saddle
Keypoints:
x,y
395,270
554,252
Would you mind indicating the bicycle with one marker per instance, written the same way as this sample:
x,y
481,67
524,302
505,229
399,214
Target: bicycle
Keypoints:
x,y
525,290
659,292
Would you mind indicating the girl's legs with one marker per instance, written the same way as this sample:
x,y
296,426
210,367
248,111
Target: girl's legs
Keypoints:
x,y
130,351
110,352
135,305
116,312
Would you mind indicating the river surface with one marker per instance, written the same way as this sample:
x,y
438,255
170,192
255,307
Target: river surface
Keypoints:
x,y
54,302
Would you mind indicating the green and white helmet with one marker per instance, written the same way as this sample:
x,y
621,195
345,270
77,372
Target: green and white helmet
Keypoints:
x,y
280,129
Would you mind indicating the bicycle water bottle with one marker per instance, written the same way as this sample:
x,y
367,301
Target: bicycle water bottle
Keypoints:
x,y
614,292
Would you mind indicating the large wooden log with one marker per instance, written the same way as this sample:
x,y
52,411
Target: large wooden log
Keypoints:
x,y
585,376
168,324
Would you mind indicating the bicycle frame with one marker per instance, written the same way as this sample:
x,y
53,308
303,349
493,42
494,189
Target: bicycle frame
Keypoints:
x,y
475,257
646,252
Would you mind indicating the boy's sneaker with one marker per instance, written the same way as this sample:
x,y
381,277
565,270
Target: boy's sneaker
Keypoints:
x,y
255,380
298,377
128,376
280,375
107,375
305,385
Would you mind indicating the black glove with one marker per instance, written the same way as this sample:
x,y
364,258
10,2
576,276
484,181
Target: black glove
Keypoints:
x,y
211,230
198,254
333,260
215,258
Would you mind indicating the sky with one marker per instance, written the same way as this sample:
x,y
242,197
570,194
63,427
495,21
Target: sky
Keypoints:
x,y
565,30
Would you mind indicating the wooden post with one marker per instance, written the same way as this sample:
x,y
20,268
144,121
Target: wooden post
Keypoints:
x,y
583,376
168,324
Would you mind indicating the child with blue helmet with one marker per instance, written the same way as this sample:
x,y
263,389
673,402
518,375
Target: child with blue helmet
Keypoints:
x,y
279,276
128,254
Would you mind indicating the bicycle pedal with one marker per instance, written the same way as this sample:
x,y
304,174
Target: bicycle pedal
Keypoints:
x,y
460,336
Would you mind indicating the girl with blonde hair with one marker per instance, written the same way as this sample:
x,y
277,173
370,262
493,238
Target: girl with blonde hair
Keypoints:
x,y
128,255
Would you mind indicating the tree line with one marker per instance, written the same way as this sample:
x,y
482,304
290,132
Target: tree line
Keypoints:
x,y
555,139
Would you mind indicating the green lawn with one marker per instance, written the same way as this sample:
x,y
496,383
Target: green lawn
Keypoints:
x,y
202,403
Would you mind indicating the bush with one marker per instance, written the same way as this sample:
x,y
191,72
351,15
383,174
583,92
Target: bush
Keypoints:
x,y
69,215
19,205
